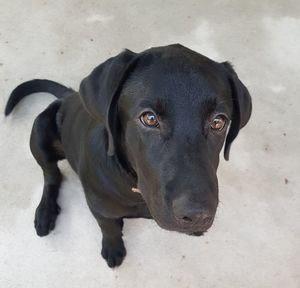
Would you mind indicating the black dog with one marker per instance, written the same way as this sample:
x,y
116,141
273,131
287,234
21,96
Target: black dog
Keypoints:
x,y
152,123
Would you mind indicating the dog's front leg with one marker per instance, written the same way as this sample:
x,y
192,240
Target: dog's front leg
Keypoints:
x,y
113,249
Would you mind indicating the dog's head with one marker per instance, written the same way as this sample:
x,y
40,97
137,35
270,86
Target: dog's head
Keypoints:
x,y
167,111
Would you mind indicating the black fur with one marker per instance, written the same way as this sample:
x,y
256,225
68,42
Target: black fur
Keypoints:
x,y
99,132
34,86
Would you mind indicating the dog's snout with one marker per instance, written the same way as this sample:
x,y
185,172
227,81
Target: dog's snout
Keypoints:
x,y
195,217
192,215
199,217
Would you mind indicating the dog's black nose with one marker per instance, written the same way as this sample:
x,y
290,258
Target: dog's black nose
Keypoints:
x,y
198,217
192,214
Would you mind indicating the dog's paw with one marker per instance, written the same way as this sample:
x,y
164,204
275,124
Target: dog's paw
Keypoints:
x,y
113,251
45,216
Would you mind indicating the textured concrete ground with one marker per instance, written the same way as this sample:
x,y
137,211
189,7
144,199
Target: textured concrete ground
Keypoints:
x,y
255,239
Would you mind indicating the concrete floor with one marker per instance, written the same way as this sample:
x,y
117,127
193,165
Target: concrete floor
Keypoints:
x,y
255,239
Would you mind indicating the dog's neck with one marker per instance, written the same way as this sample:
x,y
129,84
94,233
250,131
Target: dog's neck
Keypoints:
x,y
125,166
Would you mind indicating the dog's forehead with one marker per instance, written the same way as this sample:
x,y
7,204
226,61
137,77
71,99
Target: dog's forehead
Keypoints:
x,y
176,76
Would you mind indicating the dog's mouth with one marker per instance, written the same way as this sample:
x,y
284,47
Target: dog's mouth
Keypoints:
x,y
173,225
136,190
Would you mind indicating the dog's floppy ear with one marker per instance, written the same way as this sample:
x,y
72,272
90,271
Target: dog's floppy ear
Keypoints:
x,y
99,91
242,107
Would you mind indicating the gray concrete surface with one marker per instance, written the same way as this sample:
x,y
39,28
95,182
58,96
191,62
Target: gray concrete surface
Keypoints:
x,y
255,239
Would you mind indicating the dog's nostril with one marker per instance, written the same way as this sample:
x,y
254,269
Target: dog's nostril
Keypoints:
x,y
186,219
201,218
189,214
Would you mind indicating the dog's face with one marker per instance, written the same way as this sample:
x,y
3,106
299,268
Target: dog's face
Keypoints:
x,y
174,115
169,123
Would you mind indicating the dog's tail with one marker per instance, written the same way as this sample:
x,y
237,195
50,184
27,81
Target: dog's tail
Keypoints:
x,y
35,86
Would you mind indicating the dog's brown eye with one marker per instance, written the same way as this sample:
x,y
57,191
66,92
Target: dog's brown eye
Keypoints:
x,y
149,119
218,123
